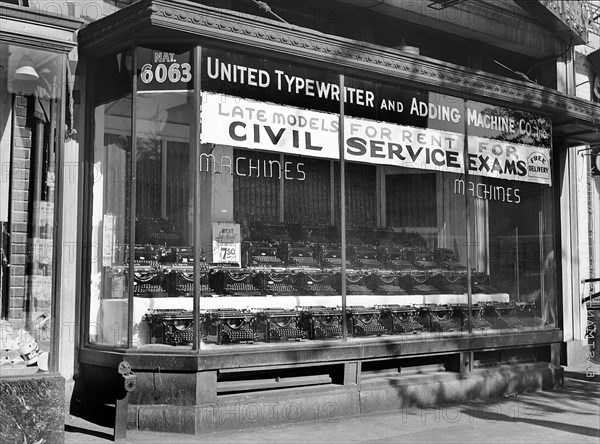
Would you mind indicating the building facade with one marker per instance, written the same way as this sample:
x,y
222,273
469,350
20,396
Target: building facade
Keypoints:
x,y
335,207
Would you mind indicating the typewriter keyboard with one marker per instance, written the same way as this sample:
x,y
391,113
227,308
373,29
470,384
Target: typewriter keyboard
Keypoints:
x,y
358,289
286,333
147,289
407,326
322,289
337,261
242,335
456,288
333,331
281,289
146,262
372,263
266,260
372,329
391,289
179,337
241,288
304,261
165,237
425,289
399,263
186,288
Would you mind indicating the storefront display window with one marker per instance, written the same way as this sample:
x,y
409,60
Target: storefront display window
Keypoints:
x,y
30,140
248,225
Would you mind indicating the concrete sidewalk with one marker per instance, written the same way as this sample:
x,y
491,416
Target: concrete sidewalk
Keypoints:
x,y
569,414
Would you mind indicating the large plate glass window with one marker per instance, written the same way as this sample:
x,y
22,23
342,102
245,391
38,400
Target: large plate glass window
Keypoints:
x,y
111,199
30,153
163,253
511,217
269,204
405,232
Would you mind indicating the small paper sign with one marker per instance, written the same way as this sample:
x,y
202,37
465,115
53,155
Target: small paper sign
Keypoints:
x,y
226,243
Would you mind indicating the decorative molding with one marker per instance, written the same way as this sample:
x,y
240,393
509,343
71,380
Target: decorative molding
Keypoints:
x,y
35,15
45,44
350,56
22,26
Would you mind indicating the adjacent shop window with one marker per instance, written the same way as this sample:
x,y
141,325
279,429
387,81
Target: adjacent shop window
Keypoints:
x,y
30,127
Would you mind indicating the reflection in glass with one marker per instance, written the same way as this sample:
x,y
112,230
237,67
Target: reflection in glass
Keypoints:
x,y
111,204
164,265
30,143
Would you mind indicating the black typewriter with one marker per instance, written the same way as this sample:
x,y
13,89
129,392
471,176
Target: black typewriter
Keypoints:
x,y
180,281
320,283
146,256
367,256
356,283
514,314
441,317
479,316
185,256
398,258
453,282
399,319
299,255
279,283
426,261
240,282
426,278
262,255
156,231
229,326
365,321
148,282
321,322
277,324
422,282
387,282
454,275
170,327
331,257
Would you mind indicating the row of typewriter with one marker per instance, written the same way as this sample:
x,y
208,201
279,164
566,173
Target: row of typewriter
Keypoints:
x,y
359,257
299,269
229,326
235,281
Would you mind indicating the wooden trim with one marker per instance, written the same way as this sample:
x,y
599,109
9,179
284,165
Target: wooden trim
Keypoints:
x,y
229,28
